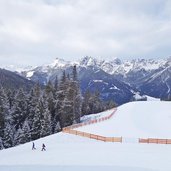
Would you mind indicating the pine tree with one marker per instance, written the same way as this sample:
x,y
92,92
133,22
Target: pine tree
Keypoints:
x,y
56,120
63,79
49,87
45,123
2,123
23,134
8,138
32,102
4,119
56,83
1,144
86,101
4,104
18,136
26,130
50,98
36,123
19,109
33,110
60,99
74,73
57,127
69,100
10,96
92,103
110,104
77,97
68,105
51,107
37,90
97,103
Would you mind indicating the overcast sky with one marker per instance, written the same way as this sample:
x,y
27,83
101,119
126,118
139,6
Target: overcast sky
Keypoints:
x,y
34,32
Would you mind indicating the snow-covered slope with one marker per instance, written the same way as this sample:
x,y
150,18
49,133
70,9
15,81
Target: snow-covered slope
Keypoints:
x,y
149,98
73,153
150,119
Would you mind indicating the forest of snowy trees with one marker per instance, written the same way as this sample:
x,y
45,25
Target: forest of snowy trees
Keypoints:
x,y
26,116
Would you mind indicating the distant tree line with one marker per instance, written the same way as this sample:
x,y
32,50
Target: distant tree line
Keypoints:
x,y
27,116
167,98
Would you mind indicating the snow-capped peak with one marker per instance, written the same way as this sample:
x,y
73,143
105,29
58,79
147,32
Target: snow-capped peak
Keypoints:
x,y
58,62
116,61
114,66
88,61
17,68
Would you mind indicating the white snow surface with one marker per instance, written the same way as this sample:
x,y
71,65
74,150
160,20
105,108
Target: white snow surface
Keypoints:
x,y
98,81
149,98
30,74
72,153
114,88
65,152
146,119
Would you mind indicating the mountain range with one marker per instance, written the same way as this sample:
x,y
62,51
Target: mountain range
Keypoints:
x,y
13,81
116,80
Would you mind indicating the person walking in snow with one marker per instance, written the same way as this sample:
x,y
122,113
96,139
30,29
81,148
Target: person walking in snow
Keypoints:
x,y
33,146
43,147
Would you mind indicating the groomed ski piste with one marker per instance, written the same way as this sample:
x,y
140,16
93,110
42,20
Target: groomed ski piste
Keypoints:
x,y
67,152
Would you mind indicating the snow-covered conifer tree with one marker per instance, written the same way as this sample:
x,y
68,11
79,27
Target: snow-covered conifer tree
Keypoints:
x,y
19,109
77,97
